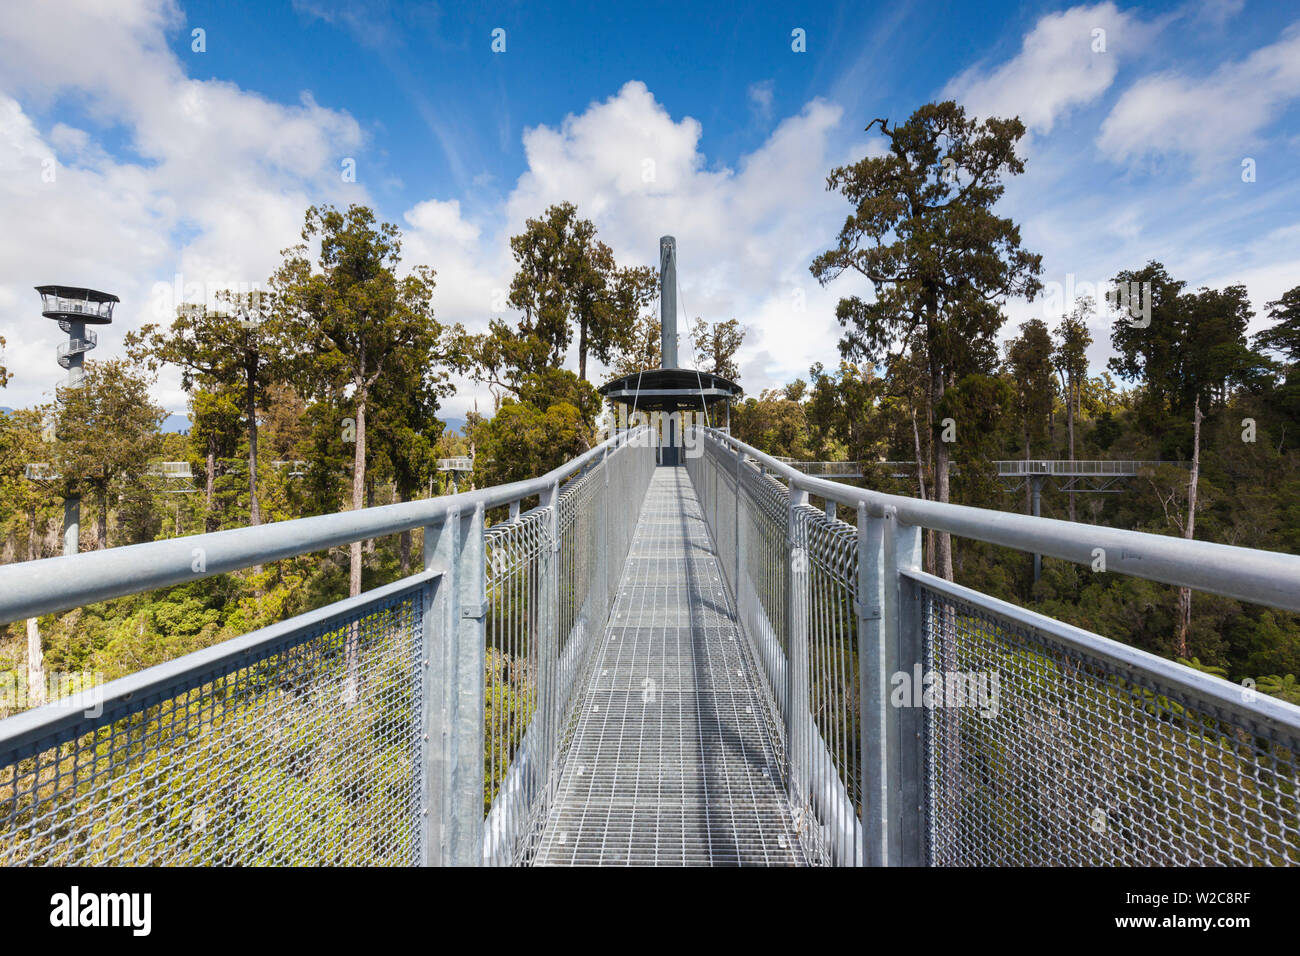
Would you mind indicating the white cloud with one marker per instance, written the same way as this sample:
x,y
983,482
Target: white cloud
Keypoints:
x,y
441,220
1216,12
219,186
1206,118
760,100
745,236
1063,63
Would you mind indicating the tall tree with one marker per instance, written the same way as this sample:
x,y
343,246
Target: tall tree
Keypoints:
x,y
1070,357
1218,357
842,414
108,428
406,429
716,345
357,321
214,434
236,345
1283,336
24,501
642,349
1192,345
568,278
922,230
1029,356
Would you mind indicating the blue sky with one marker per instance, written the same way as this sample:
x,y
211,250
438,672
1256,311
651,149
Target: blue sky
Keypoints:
x,y
176,169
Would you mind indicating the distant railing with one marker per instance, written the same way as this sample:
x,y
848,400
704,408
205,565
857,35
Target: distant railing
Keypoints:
x,y
422,722
927,723
1077,468
827,469
851,469
170,469
54,303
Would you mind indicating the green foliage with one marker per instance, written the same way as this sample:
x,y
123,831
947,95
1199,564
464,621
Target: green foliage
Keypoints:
x,y
1192,345
923,232
1029,357
567,281
716,346
773,423
369,334
236,350
107,430
522,441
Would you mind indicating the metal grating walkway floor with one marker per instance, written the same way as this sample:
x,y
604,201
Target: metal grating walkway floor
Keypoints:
x,y
671,762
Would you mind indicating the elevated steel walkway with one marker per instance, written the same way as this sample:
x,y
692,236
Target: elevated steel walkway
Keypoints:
x,y
728,662
675,759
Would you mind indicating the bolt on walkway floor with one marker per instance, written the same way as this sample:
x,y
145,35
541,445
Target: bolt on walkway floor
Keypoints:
x,y
672,762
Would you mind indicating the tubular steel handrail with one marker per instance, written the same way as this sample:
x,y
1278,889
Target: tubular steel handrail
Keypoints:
x,y
1259,577
927,723
51,585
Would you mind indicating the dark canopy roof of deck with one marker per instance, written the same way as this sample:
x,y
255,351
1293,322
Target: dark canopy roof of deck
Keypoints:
x,y
669,389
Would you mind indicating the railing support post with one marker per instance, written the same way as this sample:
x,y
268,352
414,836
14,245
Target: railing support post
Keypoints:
x,y
873,670
797,718
454,693
904,738
548,640
605,525
717,489
740,534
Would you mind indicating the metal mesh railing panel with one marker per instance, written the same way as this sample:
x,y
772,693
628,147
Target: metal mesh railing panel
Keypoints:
x,y
833,747
533,580
305,751
580,556
825,742
1072,760
514,592
765,505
